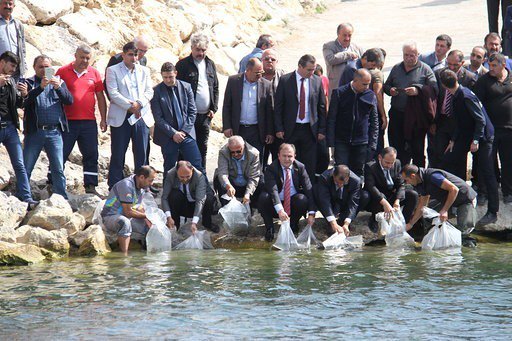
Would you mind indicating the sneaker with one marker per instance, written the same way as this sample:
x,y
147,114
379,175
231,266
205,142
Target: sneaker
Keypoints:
x,y
90,189
507,199
488,218
481,200
31,204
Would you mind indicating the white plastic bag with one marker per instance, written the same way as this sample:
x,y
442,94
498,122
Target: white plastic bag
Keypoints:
x,y
148,200
340,241
441,236
200,240
429,213
235,215
96,217
307,238
394,230
285,239
159,237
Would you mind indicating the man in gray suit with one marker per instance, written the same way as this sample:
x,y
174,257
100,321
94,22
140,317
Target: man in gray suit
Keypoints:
x,y
247,109
339,52
186,194
238,171
129,117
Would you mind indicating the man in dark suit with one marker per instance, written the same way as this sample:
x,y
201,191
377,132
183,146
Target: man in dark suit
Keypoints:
x,y
300,111
337,195
384,189
186,194
353,122
174,110
200,71
247,109
444,122
287,192
473,133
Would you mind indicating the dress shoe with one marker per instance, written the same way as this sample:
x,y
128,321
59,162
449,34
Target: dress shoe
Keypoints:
x,y
373,225
488,218
481,200
269,235
507,199
468,241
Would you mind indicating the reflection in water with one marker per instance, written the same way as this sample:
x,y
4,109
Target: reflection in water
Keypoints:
x,y
374,292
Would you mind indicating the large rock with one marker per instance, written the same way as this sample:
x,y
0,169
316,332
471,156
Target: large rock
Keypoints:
x,y
7,234
12,210
51,214
95,243
5,178
55,41
56,241
504,218
20,254
75,224
47,12
84,204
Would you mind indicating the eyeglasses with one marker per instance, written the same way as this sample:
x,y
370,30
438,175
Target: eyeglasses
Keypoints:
x,y
259,73
236,152
270,59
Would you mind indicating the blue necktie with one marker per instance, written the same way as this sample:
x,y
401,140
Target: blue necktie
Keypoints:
x,y
176,108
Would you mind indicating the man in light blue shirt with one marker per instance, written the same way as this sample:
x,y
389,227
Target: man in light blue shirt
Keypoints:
x,y
12,35
265,41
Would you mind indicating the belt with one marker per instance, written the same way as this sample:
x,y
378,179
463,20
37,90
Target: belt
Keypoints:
x,y
248,125
302,124
4,124
47,126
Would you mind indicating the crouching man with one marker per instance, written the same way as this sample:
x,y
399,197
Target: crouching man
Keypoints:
x,y
123,213
444,190
187,194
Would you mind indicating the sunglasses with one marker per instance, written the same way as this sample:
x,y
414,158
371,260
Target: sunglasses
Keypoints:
x,y
270,59
236,152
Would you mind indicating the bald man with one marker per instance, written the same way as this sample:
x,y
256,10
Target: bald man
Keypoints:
x,y
353,123
248,107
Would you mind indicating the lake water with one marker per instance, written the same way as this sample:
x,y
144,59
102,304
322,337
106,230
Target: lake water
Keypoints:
x,y
247,294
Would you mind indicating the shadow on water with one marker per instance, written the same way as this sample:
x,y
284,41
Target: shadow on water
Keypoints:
x,y
373,292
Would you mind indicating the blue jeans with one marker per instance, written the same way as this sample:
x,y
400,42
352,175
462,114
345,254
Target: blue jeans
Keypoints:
x,y
85,132
189,151
120,138
51,141
9,137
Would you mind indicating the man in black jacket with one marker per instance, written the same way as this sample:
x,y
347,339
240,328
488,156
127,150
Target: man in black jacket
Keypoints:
x,y
337,195
300,114
384,189
353,122
287,192
10,100
199,71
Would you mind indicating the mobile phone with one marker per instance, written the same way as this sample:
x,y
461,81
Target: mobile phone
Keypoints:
x,y
49,72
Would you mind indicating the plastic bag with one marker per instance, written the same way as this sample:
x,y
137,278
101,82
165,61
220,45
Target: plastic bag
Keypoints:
x,y
200,240
285,239
394,230
148,200
96,217
429,213
159,237
441,236
307,238
340,241
235,215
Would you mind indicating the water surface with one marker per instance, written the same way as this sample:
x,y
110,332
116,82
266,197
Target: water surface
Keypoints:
x,y
219,294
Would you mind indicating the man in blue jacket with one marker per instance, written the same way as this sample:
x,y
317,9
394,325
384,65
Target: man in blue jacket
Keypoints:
x,y
473,132
174,110
45,121
352,123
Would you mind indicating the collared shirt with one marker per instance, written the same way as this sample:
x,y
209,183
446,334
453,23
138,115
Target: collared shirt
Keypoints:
x,y
293,190
331,217
203,91
133,87
8,36
81,73
306,92
48,105
249,113
4,103
385,177
240,179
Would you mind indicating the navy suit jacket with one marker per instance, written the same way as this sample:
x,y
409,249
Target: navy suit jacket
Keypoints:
x,y
165,120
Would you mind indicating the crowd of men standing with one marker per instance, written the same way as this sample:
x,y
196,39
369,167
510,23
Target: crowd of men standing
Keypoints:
x,y
292,118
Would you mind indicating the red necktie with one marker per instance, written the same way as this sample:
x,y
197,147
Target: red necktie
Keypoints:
x,y
302,103
287,191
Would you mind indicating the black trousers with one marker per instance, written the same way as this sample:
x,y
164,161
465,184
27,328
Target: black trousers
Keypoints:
x,y
298,206
202,125
487,176
503,147
352,156
456,161
239,193
251,134
439,141
181,207
493,12
322,157
306,146
271,149
407,150
369,204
